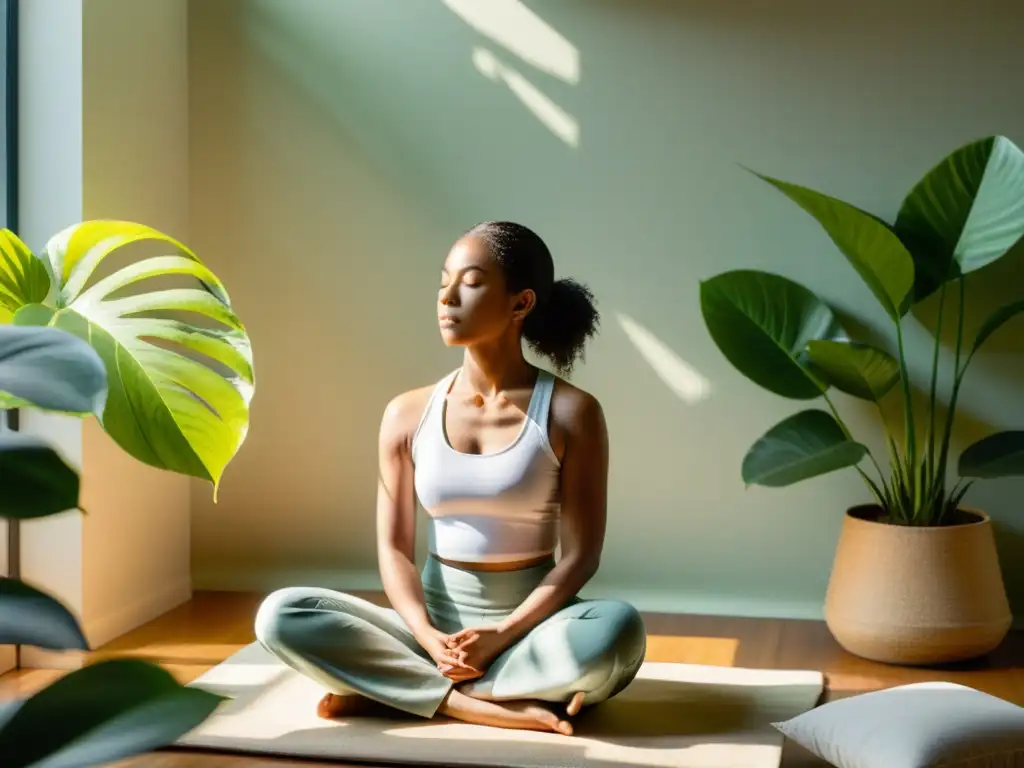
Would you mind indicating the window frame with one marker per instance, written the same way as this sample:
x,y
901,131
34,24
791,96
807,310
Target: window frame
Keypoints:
x,y
9,148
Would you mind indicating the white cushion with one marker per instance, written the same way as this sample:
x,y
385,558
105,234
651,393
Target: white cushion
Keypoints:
x,y
923,725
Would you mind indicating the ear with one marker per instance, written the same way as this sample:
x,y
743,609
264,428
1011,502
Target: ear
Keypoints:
x,y
525,302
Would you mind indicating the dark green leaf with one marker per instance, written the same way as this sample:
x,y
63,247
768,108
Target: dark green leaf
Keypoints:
x,y
51,369
871,247
857,369
31,617
998,455
105,712
965,213
803,446
35,480
995,321
762,322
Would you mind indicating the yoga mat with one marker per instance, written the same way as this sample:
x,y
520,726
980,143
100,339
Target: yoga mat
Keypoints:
x,y
680,715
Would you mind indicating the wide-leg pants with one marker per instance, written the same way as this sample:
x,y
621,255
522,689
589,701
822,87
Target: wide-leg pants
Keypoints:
x,y
348,645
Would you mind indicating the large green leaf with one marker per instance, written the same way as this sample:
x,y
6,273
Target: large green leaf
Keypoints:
x,y
35,480
104,712
871,247
179,392
998,455
762,322
31,617
50,369
805,445
23,277
857,369
966,212
995,321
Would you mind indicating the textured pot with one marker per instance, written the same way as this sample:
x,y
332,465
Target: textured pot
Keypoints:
x,y
916,595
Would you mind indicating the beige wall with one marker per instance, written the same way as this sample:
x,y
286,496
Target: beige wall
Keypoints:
x,y
135,167
104,135
338,147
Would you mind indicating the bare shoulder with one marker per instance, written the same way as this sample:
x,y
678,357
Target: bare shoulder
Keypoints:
x,y
402,416
576,415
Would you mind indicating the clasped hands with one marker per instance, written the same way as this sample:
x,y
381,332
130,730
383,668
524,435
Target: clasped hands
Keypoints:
x,y
466,654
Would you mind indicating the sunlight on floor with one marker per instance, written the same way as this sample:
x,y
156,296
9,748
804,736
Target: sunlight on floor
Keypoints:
x,y
715,651
678,375
520,31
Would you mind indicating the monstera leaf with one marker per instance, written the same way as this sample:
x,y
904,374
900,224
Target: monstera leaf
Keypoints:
x,y
167,404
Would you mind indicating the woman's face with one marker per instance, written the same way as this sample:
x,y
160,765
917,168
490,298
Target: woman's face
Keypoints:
x,y
473,303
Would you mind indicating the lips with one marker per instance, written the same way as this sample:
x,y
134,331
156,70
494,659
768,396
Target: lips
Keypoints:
x,y
447,319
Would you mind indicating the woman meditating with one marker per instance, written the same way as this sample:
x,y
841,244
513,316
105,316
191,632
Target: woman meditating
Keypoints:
x,y
510,463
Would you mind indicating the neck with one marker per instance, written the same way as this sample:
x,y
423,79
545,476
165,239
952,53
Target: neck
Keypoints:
x,y
494,367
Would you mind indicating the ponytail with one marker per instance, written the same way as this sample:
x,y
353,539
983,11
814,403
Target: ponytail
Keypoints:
x,y
559,327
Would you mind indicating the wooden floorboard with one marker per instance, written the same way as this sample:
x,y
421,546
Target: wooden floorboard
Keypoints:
x,y
203,632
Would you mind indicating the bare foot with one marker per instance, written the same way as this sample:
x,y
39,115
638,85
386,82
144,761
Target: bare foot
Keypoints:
x,y
523,715
333,705
575,704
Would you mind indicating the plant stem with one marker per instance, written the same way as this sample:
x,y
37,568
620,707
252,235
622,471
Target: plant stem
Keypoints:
x,y
958,377
911,435
846,431
931,398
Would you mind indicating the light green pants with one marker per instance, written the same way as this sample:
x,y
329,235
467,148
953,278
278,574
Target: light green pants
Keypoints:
x,y
347,644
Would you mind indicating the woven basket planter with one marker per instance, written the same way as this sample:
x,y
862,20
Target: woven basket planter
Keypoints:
x,y
916,595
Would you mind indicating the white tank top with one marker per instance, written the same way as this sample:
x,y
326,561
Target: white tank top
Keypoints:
x,y
490,507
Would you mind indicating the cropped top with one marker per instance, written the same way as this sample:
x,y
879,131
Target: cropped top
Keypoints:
x,y
490,507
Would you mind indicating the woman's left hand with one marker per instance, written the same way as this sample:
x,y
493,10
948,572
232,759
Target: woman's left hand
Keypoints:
x,y
478,646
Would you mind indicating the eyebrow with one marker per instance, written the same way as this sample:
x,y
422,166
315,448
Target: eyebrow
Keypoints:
x,y
470,268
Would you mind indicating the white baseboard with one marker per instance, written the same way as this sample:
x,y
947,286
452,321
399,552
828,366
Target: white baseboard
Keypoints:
x,y
266,580
101,630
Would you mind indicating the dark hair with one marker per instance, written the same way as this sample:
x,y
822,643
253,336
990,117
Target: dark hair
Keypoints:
x,y
564,316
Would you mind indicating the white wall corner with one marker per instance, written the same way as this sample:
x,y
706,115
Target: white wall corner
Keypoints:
x,y
103,125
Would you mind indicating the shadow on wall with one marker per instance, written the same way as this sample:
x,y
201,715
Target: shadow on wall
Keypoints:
x,y
350,143
993,380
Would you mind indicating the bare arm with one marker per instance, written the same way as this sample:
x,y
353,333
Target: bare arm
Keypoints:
x,y
584,515
396,514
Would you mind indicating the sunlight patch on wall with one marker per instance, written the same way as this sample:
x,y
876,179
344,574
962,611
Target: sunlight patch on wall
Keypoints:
x,y
522,32
558,121
677,374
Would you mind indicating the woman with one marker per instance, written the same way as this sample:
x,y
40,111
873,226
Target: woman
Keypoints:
x,y
509,463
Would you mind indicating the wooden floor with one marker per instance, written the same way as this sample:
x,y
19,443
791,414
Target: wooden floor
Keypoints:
x,y
200,634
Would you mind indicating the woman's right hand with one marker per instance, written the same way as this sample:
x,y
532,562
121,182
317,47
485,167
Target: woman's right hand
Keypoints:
x,y
435,643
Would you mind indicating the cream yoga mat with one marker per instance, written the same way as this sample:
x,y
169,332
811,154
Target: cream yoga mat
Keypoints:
x,y
680,715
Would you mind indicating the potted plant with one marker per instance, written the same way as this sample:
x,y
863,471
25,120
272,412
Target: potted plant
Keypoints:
x,y
916,578
80,351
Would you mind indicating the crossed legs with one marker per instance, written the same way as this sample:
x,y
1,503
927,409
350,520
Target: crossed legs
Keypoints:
x,y
350,646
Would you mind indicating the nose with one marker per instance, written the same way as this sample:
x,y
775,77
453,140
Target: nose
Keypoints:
x,y
448,295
